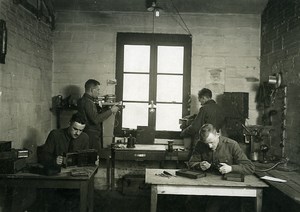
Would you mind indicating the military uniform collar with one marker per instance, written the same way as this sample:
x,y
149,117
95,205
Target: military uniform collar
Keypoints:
x,y
89,97
210,101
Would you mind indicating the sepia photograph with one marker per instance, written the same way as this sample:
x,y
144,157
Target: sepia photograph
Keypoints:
x,y
149,105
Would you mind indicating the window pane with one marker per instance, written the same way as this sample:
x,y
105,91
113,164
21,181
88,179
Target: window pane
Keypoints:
x,y
136,87
167,116
169,88
135,114
136,58
170,59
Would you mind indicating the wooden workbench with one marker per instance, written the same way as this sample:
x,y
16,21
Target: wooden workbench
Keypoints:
x,y
211,185
65,180
291,188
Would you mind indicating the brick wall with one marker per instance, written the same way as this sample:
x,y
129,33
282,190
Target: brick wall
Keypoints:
x,y
280,48
85,47
25,78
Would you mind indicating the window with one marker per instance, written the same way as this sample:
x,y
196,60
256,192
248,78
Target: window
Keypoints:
x,y
153,81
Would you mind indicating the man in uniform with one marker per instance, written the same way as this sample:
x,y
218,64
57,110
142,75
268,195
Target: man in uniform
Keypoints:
x,y
209,113
218,152
89,106
62,141
221,155
58,143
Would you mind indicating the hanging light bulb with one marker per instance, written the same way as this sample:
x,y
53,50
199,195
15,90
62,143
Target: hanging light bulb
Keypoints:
x,y
156,12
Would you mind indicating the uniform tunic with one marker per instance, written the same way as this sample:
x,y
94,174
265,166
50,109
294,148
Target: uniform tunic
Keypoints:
x,y
209,113
60,142
95,116
228,151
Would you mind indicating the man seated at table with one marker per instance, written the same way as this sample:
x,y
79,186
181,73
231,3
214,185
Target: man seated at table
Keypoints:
x,y
216,152
220,155
62,141
59,142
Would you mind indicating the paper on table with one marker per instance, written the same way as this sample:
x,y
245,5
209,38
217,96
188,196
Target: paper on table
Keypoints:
x,y
273,179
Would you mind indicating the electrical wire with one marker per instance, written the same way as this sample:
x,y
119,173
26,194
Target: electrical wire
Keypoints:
x,y
153,21
177,11
272,167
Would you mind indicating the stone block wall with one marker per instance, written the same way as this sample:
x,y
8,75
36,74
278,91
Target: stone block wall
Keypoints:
x,y
25,78
25,82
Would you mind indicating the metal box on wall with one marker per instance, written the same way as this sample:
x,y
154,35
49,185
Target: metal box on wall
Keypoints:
x,y
235,104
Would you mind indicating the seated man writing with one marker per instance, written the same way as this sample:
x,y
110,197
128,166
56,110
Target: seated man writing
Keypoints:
x,y
61,141
222,155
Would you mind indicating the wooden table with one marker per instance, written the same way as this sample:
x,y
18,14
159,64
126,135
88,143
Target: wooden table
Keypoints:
x,y
146,152
154,152
63,180
291,188
211,185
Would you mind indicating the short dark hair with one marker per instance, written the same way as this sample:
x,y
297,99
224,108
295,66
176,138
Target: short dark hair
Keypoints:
x,y
205,130
91,83
78,117
205,92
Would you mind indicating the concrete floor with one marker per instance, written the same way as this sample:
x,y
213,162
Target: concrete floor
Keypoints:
x,y
106,201
117,201
114,201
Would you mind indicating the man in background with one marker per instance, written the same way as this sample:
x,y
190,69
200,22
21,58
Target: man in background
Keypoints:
x,y
209,113
89,106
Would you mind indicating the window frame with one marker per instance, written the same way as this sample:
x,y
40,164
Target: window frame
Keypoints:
x,y
154,40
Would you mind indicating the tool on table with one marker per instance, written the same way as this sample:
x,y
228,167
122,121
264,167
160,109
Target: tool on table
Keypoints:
x,y
165,174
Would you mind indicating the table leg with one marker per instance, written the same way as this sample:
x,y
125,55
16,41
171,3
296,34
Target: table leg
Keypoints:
x,y
108,172
91,195
83,196
258,203
112,168
153,198
242,202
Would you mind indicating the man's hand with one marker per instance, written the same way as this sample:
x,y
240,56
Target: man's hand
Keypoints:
x,y
204,165
225,168
59,160
183,134
114,109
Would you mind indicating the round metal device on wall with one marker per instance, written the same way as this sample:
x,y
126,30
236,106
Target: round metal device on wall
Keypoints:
x,y
276,80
